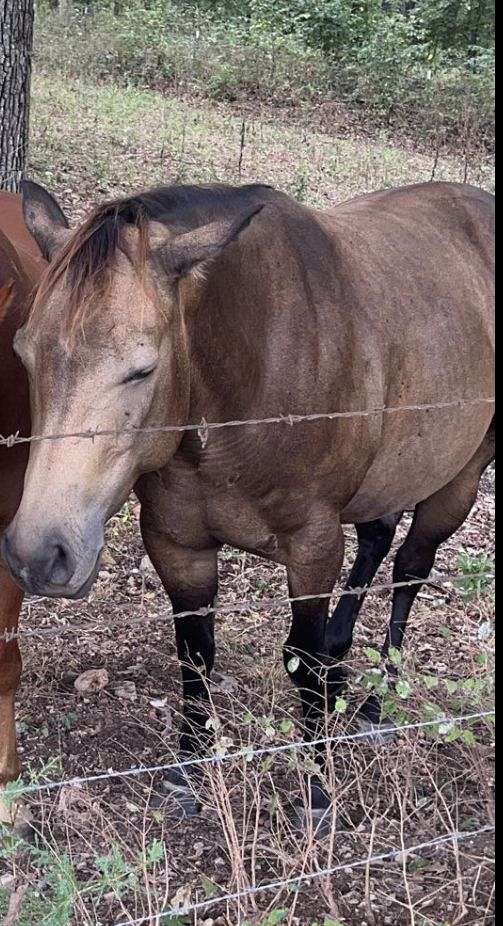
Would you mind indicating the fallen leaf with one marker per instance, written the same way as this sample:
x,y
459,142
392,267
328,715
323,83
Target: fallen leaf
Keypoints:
x,y
182,897
158,703
225,682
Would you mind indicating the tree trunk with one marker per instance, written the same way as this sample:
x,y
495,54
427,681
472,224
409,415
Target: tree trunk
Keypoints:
x,y
16,43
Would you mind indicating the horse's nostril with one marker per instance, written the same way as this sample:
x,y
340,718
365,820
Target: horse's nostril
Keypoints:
x,y
4,548
60,567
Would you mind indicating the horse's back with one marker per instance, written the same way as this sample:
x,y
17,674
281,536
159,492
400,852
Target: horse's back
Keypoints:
x,y
421,264
433,217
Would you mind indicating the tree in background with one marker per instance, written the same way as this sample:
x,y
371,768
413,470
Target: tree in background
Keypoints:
x,y
16,42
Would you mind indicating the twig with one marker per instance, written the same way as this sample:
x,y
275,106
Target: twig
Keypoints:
x,y
15,905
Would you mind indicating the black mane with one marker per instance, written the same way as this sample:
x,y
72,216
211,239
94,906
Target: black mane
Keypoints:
x,y
86,261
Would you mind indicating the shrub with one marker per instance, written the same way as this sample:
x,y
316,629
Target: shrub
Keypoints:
x,y
405,63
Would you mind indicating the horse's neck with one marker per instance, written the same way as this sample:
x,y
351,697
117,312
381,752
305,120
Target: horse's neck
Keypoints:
x,y
227,347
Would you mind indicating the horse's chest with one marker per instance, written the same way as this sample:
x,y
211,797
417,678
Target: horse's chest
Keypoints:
x,y
195,511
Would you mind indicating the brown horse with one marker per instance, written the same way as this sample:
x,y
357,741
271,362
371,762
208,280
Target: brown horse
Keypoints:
x,y
20,269
238,303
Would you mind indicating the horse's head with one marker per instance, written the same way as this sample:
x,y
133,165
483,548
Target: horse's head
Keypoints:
x,y
106,351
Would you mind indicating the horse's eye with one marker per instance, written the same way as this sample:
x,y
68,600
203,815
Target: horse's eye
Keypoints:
x,y
139,375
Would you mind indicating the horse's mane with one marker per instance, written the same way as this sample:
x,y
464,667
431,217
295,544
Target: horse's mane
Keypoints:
x,y
86,262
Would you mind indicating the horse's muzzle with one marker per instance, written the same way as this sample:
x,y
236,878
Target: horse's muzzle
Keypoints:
x,y
50,570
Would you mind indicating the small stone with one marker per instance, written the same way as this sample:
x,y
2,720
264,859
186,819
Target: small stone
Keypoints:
x,y
107,559
146,566
7,881
198,851
126,691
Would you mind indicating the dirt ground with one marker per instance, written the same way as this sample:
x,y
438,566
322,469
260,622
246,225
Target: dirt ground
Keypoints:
x,y
246,834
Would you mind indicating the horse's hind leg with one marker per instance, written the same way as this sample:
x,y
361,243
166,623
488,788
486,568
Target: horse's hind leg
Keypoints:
x,y
374,543
10,675
435,521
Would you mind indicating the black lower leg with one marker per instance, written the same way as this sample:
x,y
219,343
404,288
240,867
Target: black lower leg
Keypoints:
x,y
374,543
305,661
195,638
414,561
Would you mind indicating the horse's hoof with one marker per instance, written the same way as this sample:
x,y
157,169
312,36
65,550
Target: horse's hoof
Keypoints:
x,y
379,734
177,781
178,795
317,816
313,820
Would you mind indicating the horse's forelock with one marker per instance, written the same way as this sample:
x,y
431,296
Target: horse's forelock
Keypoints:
x,y
85,263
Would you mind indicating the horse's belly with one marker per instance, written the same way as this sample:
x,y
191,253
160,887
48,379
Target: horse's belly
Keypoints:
x,y
406,473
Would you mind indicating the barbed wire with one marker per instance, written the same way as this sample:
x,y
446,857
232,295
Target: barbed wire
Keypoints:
x,y
247,753
267,604
204,427
392,855
11,173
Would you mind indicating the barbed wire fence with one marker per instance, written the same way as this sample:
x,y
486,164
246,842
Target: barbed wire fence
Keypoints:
x,y
249,754
203,429
298,881
266,604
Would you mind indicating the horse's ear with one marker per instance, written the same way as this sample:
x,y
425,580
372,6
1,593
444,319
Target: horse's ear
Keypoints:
x,y
189,252
44,218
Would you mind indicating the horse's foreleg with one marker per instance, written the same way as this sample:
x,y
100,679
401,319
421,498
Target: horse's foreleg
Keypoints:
x,y
191,580
305,652
305,655
374,543
10,675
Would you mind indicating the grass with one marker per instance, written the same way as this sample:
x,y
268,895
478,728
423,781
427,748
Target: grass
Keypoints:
x,y
478,574
384,77
34,909
90,142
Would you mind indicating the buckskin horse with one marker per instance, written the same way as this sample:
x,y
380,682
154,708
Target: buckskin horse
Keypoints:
x,y
229,303
20,268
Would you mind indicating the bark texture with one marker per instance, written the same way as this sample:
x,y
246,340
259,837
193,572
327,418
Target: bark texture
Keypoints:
x,y
16,43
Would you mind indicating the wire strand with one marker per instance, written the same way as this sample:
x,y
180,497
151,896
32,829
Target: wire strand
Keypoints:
x,y
249,754
391,855
267,604
204,427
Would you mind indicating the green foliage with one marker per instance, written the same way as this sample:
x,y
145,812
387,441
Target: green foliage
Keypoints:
x,y
54,905
477,572
341,706
427,64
